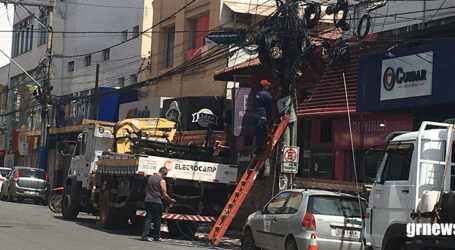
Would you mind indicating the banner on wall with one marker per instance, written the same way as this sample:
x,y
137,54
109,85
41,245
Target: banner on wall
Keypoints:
x,y
244,112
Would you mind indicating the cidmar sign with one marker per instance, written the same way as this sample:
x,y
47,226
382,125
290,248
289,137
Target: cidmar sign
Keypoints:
x,y
407,76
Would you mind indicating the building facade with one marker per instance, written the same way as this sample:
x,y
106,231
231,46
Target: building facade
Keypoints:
x,y
180,41
112,34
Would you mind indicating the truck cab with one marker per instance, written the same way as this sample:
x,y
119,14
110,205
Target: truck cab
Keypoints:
x,y
91,143
414,174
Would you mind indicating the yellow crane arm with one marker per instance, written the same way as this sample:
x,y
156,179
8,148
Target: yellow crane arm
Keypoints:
x,y
153,129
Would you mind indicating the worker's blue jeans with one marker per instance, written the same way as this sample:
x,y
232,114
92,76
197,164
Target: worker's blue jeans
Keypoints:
x,y
154,211
261,133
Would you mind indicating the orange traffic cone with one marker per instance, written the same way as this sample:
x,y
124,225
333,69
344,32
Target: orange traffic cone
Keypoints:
x,y
313,243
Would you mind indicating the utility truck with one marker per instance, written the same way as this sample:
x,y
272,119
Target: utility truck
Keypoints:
x,y
110,165
415,184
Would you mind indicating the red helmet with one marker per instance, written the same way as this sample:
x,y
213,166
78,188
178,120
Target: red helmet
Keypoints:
x,y
264,82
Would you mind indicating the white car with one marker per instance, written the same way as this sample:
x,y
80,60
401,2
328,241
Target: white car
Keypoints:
x,y
3,175
290,219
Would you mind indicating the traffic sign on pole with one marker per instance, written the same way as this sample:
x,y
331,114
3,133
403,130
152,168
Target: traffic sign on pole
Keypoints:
x,y
290,161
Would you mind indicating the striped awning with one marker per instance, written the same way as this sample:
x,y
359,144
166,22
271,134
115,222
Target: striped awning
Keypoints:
x,y
250,8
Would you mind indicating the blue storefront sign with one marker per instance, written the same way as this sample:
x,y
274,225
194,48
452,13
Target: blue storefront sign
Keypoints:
x,y
410,77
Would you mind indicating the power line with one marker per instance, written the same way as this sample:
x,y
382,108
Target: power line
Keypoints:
x,y
177,70
110,32
141,33
110,6
194,64
153,54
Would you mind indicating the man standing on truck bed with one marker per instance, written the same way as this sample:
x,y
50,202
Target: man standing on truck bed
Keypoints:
x,y
154,191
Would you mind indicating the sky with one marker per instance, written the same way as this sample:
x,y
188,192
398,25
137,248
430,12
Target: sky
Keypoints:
x,y
6,21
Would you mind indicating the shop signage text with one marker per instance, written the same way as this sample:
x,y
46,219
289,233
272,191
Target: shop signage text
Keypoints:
x,y
205,117
407,76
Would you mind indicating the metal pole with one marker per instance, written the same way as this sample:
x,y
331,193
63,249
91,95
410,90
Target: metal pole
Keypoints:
x,y
97,96
46,94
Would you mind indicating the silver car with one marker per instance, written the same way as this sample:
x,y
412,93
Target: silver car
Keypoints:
x,y
25,182
292,216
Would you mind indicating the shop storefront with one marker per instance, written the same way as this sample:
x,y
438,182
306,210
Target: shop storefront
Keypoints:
x,y
417,79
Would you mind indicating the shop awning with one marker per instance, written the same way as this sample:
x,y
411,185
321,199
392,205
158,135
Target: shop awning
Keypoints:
x,y
328,95
250,8
264,9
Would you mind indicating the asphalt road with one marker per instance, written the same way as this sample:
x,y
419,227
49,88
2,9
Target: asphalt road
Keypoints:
x,y
27,226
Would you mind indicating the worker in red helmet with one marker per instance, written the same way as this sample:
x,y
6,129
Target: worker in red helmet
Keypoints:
x,y
263,115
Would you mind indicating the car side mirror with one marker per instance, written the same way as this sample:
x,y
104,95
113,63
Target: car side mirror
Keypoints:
x,y
264,210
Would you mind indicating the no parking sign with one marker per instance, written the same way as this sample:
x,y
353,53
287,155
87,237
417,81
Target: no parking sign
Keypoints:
x,y
290,161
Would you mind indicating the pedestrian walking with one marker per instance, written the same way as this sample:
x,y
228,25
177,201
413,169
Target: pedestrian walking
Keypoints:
x,y
154,192
262,115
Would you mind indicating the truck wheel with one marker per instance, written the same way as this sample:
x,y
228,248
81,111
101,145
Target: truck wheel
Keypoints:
x,y
69,208
106,217
121,218
182,228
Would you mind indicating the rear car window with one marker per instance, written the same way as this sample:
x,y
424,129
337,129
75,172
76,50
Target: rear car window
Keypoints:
x,y
293,203
276,205
40,174
4,172
338,206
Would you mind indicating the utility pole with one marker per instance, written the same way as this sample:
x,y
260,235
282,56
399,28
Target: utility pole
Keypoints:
x,y
45,96
283,45
97,94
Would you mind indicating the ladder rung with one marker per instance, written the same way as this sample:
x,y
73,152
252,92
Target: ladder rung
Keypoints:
x,y
230,210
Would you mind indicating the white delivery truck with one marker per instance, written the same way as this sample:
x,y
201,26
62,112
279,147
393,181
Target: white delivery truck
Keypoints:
x,y
414,188
109,169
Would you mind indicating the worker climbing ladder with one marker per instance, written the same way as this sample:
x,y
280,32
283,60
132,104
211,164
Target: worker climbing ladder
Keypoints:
x,y
245,184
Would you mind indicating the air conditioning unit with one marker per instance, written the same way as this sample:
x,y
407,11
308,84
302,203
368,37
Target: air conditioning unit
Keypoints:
x,y
243,18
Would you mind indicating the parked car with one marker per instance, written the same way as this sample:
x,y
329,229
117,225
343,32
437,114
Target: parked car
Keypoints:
x,y
3,174
289,219
25,182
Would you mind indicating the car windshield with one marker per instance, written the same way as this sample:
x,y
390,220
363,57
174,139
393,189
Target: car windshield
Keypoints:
x,y
334,205
4,172
37,173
